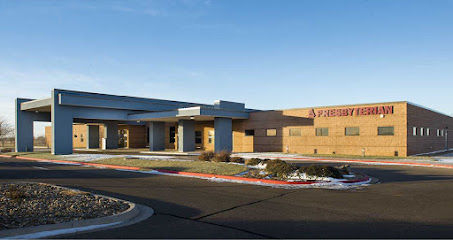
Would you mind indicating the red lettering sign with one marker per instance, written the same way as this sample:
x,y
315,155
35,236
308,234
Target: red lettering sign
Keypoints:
x,y
377,110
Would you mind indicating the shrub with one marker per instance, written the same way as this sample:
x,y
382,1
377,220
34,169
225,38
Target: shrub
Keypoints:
x,y
345,170
321,171
222,156
252,161
206,156
279,168
5,150
237,160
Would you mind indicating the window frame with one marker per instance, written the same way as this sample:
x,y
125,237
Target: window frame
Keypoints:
x,y
295,135
211,135
172,139
267,132
200,137
393,132
321,132
352,135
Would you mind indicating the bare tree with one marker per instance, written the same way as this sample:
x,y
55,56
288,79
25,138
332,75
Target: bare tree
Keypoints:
x,y
40,141
6,130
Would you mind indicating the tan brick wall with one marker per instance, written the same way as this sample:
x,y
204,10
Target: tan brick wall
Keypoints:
x,y
420,117
77,129
336,141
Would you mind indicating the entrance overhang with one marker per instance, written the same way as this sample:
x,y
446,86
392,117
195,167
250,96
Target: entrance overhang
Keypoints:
x,y
192,113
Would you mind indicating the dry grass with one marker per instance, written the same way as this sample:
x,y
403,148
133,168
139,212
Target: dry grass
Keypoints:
x,y
73,193
189,166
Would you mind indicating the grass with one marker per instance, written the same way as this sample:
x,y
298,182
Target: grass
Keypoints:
x,y
189,166
42,155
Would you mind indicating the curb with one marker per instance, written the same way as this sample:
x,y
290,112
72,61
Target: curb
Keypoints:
x,y
200,175
118,220
257,180
368,161
75,163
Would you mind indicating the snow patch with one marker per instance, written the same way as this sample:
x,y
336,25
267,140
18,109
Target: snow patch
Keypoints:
x,y
94,157
334,184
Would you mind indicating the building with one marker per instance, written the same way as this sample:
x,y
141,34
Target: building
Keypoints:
x,y
91,120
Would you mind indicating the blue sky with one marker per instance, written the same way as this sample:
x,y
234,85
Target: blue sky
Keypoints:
x,y
268,54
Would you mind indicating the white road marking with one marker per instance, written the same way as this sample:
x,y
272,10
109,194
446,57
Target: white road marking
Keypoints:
x,y
42,168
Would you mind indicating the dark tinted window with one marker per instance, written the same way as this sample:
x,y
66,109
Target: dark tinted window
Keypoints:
x,y
322,131
386,131
250,132
198,137
172,134
352,131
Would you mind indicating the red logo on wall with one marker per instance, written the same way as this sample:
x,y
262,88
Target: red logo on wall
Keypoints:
x,y
340,112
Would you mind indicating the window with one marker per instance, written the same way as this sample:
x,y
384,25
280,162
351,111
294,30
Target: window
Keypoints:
x,y
322,131
386,131
250,132
428,132
81,137
442,133
352,131
198,137
422,131
414,131
438,132
172,134
210,136
271,132
295,132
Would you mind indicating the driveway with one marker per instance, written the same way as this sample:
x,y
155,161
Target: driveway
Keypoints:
x,y
409,202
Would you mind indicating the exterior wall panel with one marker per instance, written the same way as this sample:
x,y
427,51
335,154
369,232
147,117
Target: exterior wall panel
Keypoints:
x,y
421,117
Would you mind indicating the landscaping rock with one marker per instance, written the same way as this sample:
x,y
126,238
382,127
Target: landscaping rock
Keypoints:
x,y
32,204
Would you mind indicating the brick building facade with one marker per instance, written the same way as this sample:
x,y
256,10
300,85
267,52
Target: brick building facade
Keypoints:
x,y
381,129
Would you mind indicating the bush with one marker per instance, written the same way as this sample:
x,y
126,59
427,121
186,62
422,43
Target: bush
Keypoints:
x,y
321,171
252,161
279,168
5,150
206,156
237,160
222,156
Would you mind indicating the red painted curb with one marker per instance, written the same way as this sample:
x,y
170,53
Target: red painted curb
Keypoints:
x,y
278,182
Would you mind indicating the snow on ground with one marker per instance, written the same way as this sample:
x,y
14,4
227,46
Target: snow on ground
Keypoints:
x,y
335,184
93,157
270,155
445,160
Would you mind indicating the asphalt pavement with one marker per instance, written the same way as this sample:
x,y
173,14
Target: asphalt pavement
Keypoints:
x,y
408,202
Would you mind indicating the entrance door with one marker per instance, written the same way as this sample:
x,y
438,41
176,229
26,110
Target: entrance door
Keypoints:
x,y
122,138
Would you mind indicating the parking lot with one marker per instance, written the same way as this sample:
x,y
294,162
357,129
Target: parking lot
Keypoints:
x,y
409,202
